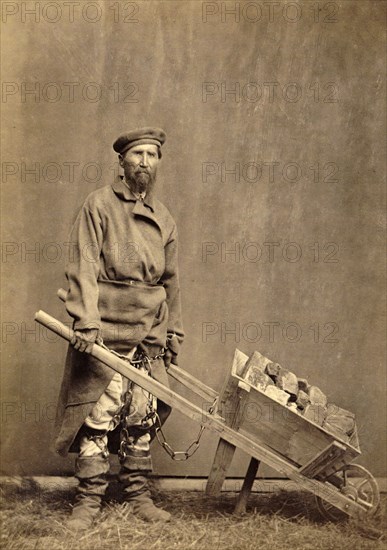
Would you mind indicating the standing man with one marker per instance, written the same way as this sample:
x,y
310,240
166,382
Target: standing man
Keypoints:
x,y
123,289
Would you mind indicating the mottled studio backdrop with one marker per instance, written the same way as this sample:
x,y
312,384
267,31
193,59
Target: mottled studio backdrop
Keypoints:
x,y
273,170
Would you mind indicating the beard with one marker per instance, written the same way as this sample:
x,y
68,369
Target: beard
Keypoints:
x,y
140,180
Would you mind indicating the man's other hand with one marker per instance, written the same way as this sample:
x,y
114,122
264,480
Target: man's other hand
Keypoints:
x,y
169,357
83,340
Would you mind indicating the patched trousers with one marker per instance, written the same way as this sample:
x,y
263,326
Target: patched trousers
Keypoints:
x,y
107,411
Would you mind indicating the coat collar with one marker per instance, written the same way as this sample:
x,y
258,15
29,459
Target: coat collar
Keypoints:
x,y
122,190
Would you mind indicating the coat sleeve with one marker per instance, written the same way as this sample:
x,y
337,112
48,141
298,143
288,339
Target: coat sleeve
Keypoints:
x,y
170,280
83,269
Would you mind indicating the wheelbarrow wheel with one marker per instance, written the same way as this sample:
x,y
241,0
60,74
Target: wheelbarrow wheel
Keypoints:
x,y
357,484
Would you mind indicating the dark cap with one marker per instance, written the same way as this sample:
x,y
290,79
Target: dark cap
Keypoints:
x,y
154,136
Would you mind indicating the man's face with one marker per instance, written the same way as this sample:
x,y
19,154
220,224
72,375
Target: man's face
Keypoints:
x,y
140,166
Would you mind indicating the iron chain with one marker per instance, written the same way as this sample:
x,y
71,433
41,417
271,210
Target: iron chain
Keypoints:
x,y
152,414
178,455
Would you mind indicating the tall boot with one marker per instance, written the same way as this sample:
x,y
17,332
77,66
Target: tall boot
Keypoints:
x,y
91,473
137,493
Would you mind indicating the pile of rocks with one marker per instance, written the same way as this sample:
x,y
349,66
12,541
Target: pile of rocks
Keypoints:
x,y
298,395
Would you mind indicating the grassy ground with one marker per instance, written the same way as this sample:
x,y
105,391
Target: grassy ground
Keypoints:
x,y
33,519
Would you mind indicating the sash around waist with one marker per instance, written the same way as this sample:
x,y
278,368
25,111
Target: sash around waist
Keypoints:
x,y
129,302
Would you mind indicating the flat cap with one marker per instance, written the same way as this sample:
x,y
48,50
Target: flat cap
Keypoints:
x,y
154,136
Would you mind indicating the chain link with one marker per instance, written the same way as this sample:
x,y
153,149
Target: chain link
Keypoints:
x,y
178,455
152,414
213,407
98,440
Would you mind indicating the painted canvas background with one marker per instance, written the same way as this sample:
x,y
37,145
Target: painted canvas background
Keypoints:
x,y
273,170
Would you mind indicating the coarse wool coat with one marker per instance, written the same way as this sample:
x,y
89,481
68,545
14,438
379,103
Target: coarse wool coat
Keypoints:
x,y
123,280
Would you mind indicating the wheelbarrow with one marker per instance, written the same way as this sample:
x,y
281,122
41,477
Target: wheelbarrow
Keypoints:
x,y
245,418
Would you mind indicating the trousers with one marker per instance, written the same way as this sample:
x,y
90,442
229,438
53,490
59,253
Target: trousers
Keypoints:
x,y
108,408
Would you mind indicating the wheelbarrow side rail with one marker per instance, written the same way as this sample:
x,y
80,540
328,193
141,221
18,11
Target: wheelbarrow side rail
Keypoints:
x,y
256,450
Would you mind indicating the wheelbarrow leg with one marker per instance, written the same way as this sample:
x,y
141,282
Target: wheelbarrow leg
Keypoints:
x,y
232,401
220,466
240,506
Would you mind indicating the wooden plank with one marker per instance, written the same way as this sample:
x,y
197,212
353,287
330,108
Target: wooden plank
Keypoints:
x,y
240,507
354,439
221,463
192,383
230,402
240,439
334,467
323,460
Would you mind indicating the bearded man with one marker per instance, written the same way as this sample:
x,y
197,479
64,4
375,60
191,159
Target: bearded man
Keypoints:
x,y
123,289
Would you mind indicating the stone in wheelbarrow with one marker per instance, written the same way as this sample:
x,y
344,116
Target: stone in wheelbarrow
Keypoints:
x,y
284,379
288,381
339,421
254,372
316,396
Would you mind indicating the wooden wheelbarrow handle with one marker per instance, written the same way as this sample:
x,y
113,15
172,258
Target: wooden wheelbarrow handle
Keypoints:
x,y
111,360
176,373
